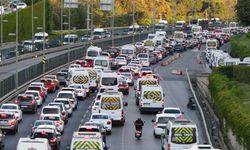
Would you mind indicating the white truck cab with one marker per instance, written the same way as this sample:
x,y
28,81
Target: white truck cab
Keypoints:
x,y
102,62
37,144
109,80
93,52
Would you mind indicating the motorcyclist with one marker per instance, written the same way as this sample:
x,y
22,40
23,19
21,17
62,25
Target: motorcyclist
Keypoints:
x,y
138,124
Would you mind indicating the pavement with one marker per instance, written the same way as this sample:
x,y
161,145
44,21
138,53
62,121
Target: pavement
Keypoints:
x,y
122,138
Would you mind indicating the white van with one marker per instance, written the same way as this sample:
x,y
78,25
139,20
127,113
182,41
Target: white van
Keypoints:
x,y
129,50
109,80
70,39
93,52
179,36
179,134
180,24
231,61
38,38
80,76
94,79
99,33
144,58
102,62
37,144
151,99
111,103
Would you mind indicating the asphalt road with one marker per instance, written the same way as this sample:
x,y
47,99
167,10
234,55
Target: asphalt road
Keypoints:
x,y
122,138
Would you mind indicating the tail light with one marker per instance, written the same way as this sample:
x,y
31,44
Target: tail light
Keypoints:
x,y
109,122
33,128
94,108
162,103
41,116
16,101
12,121
33,102
122,113
58,123
168,146
127,86
156,125
53,140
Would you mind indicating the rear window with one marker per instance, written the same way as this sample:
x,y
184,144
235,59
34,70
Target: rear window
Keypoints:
x,y
50,111
24,98
65,95
111,103
109,81
164,120
127,51
92,53
183,135
142,55
43,135
46,81
88,130
38,123
32,93
34,88
64,102
8,107
171,111
103,63
53,118
100,117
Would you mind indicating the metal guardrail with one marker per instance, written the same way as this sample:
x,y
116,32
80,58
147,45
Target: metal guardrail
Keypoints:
x,y
28,75
199,107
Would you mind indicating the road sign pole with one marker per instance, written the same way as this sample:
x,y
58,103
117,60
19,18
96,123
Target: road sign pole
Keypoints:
x,y
16,81
44,33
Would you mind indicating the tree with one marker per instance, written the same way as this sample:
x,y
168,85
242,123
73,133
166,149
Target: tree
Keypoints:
x,y
243,11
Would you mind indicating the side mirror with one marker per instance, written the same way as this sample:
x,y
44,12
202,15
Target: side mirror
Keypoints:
x,y
164,95
153,120
125,103
182,112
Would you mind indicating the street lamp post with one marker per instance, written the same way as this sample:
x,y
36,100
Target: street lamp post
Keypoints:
x,y
133,21
44,33
17,47
1,3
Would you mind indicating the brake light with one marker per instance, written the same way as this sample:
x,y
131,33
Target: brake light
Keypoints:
x,y
156,125
109,122
12,121
162,103
33,128
41,116
33,102
168,146
16,101
58,123
94,108
53,140
122,113
127,86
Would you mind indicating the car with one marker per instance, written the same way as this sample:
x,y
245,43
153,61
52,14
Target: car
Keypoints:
x,y
113,51
102,118
123,86
41,122
178,47
21,5
62,77
144,71
95,107
160,123
50,134
39,84
134,68
69,95
46,126
129,78
80,91
57,120
139,45
54,79
14,108
67,104
50,110
8,121
37,143
26,102
172,110
98,96
49,84
97,125
65,115
121,61
40,89
37,96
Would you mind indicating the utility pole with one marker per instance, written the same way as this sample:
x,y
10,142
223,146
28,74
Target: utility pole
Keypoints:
x,y
113,22
92,19
62,19
1,4
133,21
153,18
44,5
32,24
88,13
17,48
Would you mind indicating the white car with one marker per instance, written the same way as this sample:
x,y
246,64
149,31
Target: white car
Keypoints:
x,y
13,108
67,104
37,96
57,119
160,123
173,110
21,5
52,127
104,119
121,61
95,107
69,95
80,90
40,84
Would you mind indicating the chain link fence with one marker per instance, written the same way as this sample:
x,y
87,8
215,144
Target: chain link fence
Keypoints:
x,y
8,85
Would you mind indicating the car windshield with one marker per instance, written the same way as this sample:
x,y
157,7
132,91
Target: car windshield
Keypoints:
x,y
32,93
8,107
109,81
65,95
43,135
92,53
183,135
103,63
50,111
172,111
99,117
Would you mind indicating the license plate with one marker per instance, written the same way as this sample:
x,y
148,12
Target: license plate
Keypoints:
x,y
24,106
147,104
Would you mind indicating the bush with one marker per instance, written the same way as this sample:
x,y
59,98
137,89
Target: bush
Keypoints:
x,y
240,46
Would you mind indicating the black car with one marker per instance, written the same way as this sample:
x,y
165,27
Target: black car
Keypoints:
x,y
62,77
26,102
179,47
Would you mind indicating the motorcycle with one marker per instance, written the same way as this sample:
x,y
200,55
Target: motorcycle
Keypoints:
x,y
138,134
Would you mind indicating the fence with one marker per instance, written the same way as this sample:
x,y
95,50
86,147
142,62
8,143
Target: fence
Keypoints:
x,y
7,85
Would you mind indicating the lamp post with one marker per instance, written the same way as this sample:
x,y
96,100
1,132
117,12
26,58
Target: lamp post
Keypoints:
x,y
133,21
44,33
32,23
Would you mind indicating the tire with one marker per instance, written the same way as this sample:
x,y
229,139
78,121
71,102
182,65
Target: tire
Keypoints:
x,y
93,91
109,132
15,130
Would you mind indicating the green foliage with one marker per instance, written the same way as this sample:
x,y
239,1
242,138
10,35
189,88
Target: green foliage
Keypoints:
x,y
243,11
240,46
24,22
230,98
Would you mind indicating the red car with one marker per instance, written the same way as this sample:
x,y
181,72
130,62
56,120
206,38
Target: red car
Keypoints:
x,y
123,87
49,84
40,89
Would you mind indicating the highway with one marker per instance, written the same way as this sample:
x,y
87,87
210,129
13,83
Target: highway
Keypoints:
x,y
122,138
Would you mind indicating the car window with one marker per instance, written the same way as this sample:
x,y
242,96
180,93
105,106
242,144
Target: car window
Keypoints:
x,y
8,107
65,95
99,117
53,118
50,111
171,111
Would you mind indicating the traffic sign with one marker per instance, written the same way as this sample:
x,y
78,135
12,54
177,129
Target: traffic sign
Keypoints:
x,y
107,5
44,59
70,3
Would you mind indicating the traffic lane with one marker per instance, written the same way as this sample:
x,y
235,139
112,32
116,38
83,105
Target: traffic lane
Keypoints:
x,y
24,127
123,138
176,87
6,71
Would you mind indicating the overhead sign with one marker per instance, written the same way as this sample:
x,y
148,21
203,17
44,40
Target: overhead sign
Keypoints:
x,y
70,3
107,5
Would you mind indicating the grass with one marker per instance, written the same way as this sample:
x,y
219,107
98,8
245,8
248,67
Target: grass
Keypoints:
x,y
240,46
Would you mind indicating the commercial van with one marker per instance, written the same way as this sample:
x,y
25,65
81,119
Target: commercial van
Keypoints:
x,y
180,134
109,80
129,50
231,61
93,52
102,62
111,103
151,99
30,144
80,76
179,36
99,33
94,79
40,36
87,141
70,39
